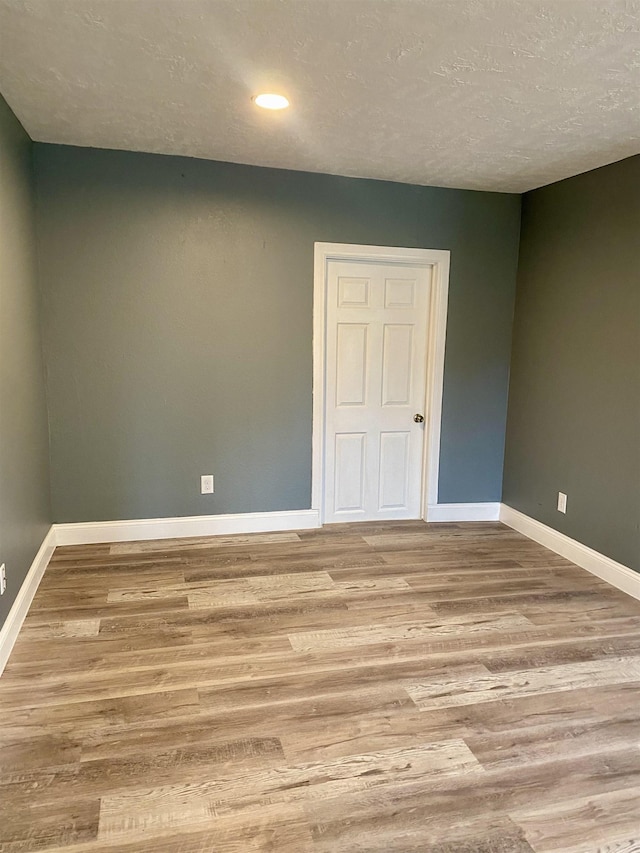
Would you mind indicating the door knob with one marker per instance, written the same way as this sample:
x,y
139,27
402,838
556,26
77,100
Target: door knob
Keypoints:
x,y
418,418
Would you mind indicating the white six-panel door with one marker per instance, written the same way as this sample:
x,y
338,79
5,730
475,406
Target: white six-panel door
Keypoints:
x,y
376,365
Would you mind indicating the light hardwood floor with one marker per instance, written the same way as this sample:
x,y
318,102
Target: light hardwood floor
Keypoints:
x,y
454,688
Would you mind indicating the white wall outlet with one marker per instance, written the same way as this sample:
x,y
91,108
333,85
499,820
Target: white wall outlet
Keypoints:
x,y
3,579
206,484
562,502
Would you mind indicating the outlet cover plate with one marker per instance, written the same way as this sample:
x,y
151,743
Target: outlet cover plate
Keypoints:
x,y
206,484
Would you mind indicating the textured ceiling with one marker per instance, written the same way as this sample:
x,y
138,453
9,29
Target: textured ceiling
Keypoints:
x,y
485,94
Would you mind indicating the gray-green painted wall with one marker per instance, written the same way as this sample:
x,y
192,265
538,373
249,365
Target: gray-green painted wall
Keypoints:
x,y
178,326
24,456
574,404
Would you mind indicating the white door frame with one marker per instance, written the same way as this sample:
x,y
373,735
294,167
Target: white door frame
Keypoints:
x,y
439,260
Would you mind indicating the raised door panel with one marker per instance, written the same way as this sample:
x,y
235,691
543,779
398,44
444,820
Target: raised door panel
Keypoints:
x,y
397,362
349,485
351,364
399,292
394,471
353,292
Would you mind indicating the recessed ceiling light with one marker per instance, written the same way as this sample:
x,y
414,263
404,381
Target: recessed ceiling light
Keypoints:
x,y
271,102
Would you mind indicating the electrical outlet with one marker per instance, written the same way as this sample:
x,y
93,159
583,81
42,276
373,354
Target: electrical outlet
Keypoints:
x,y
3,579
562,502
206,484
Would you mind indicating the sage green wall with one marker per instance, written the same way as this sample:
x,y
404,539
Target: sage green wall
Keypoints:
x,y
574,404
24,456
178,326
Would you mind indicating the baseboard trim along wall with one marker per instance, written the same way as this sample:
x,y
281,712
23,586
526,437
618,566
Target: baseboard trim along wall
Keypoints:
x,y
95,532
598,564
132,530
463,512
16,616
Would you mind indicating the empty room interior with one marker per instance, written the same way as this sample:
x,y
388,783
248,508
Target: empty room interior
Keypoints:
x,y
320,426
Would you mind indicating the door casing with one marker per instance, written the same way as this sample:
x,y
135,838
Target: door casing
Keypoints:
x,y
439,260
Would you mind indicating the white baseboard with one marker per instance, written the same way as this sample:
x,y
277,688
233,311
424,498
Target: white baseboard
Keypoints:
x,y
95,532
15,617
464,512
598,564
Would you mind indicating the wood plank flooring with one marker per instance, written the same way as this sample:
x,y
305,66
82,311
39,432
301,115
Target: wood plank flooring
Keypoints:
x,y
390,688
